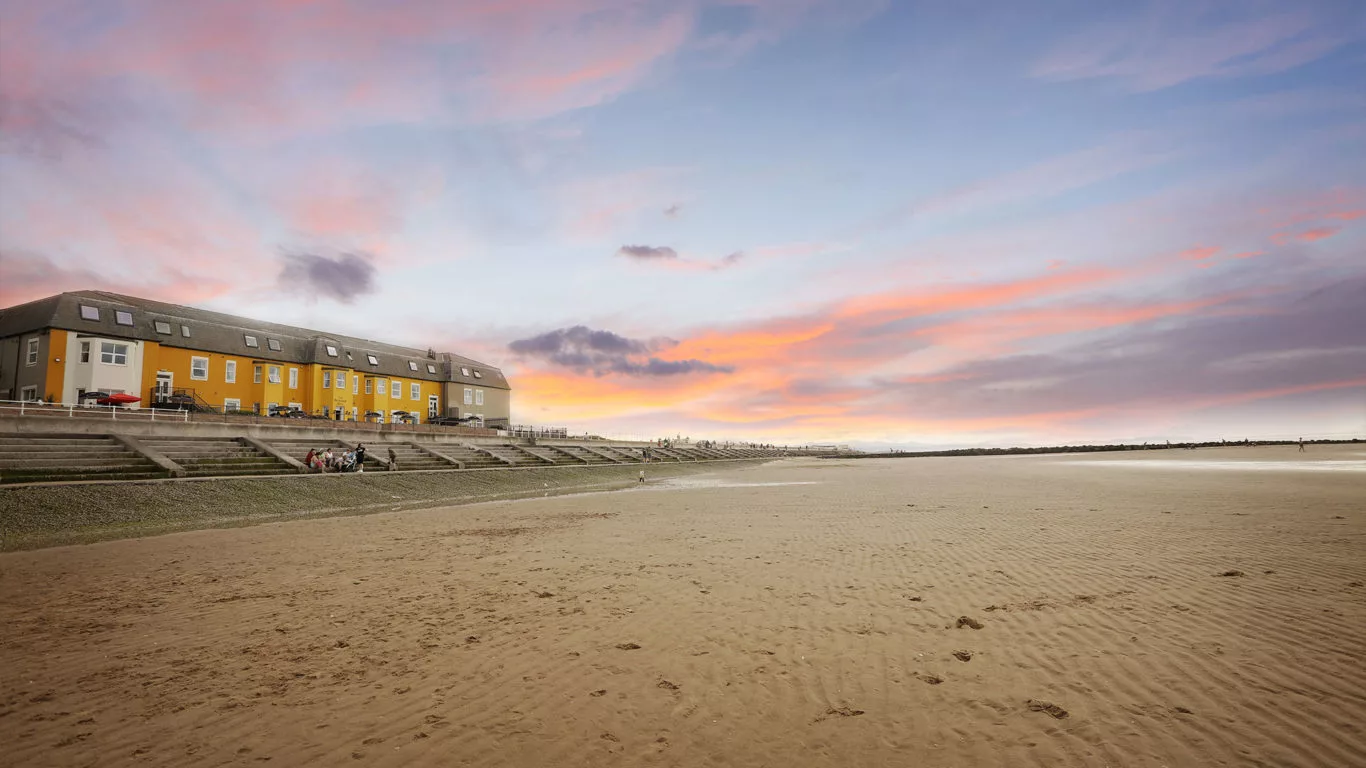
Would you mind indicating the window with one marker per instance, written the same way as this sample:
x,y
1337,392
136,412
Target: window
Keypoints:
x,y
469,396
478,375
293,378
369,386
331,351
296,406
85,351
28,394
341,380
478,397
90,313
230,371
113,354
355,384
273,373
412,366
371,359
32,355
256,374
251,341
185,331
414,391
382,386
433,406
199,368
431,368
396,389
274,344
231,404
123,317
327,379
464,371
163,327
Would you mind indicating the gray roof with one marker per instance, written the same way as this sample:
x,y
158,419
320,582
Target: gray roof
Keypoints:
x,y
227,334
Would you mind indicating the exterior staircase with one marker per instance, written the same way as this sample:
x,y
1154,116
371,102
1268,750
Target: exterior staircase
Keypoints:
x,y
516,456
216,456
55,458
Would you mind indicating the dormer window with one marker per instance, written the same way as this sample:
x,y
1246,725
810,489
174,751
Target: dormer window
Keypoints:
x,y
478,375
123,317
371,359
251,341
185,331
464,371
274,344
331,351
431,368
162,327
90,313
412,366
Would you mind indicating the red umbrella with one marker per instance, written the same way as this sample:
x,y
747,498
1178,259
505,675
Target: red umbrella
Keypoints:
x,y
118,399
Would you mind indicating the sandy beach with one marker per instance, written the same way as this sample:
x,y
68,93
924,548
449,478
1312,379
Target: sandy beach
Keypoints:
x,y
1084,610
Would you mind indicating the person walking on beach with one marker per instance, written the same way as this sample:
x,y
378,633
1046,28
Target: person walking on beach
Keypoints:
x,y
642,476
393,460
1301,445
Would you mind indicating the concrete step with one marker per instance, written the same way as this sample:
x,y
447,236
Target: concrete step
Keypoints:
x,y
277,470
82,461
78,473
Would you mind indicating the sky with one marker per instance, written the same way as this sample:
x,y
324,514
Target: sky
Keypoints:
x,y
873,222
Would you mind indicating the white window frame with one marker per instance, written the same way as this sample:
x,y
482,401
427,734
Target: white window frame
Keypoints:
x,y
355,383
382,386
371,359
469,395
196,361
273,345
296,406
120,314
433,406
327,379
331,351
273,374
256,374
412,366
396,389
232,404
294,378
414,391
185,331
162,327
28,394
369,386
478,397
478,375
339,380
230,371
31,351
251,341
465,371
85,352
431,369
113,353
90,313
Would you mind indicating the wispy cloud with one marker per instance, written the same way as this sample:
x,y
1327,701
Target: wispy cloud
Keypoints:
x,y
1160,45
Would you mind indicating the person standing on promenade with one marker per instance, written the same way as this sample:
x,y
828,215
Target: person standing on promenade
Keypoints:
x,y
1301,445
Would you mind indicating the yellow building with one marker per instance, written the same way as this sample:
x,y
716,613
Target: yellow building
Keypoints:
x,y
59,348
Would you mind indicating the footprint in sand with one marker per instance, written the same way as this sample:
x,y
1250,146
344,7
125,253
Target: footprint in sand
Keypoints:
x,y
968,621
963,655
599,692
1056,711
1232,574
628,646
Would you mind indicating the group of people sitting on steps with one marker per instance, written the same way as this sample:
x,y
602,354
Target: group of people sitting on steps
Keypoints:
x,y
348,460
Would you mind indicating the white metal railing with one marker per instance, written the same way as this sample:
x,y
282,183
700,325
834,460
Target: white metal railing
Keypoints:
x,y
90,410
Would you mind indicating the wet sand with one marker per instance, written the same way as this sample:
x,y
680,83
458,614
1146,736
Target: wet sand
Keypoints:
x,y
798,613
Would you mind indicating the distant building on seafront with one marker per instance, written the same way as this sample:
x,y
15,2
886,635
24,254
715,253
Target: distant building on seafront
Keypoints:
x,y
62,347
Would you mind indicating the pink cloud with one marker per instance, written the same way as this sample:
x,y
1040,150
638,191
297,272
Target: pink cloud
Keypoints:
x,y
1199,252
1320,233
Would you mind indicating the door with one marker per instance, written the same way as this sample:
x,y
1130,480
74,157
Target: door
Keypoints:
x,y
432,404
162,393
